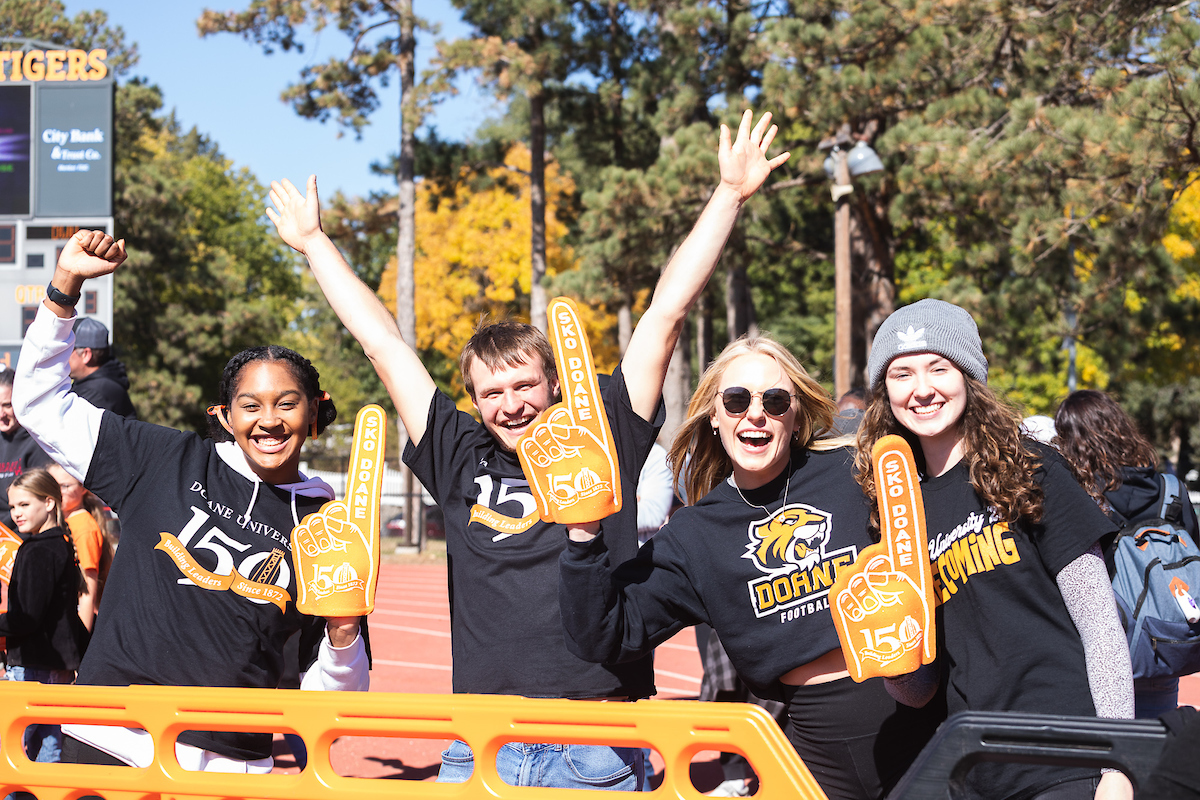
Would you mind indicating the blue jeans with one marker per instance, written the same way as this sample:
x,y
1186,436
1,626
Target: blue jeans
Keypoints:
x,y
42,742
559,766
1153,697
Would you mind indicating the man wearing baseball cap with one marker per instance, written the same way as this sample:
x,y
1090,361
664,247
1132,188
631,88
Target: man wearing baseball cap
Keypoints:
x,y
98,377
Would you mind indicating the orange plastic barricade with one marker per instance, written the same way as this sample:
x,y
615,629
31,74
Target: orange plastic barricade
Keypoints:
x,y
676,729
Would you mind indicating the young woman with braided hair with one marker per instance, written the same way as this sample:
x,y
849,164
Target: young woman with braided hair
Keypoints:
x,y
1027,620
202,590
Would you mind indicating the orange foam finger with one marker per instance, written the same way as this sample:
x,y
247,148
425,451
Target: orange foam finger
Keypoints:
x,y
883,606
582,481
902,524
336,550
9,542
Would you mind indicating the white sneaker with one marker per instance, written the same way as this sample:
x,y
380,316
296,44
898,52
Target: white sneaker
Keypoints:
x,y
737,787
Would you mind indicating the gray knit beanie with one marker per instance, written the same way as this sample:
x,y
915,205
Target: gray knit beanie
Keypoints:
x,y
929,326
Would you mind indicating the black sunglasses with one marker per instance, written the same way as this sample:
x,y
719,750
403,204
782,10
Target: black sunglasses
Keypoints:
x,y
775,402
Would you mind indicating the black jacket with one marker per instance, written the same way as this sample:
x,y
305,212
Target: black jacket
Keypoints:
x,y
42,623
107,387
1137,498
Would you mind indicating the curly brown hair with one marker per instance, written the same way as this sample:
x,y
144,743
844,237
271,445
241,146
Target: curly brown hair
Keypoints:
x,y
1098,438
999,459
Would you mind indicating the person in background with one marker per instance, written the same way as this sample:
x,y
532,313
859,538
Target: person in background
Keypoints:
x,y
18,451
87,519
850,411
1027,620
1118,467
655,493
97,376
46,638
1040,428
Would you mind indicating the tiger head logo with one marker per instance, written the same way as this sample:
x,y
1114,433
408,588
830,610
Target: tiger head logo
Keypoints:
x,y
793,537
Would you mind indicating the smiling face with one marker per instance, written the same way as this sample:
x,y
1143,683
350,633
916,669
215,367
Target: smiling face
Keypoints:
x,y
269,417
8,420
71,489
510,398
30,513
758,443
928,395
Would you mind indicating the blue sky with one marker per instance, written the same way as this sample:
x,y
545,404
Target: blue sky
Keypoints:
x,y
229,89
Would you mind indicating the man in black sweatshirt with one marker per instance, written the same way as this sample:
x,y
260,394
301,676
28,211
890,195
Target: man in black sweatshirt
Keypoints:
x,y
97,376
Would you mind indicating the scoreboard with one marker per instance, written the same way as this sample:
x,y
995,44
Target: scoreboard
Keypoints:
x,y
56,177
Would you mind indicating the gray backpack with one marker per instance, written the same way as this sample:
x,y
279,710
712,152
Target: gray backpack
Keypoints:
x,y
1157,584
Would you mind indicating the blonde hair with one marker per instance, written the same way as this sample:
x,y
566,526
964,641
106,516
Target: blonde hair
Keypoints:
x,y
704,455
41,484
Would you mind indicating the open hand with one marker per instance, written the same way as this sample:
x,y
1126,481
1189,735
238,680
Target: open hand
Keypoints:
x,y
744,164
299,217
90,254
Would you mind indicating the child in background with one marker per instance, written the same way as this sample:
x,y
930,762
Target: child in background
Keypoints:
x,y
46,639
86,520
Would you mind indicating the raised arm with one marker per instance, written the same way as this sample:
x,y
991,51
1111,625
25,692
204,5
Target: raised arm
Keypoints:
x,y
744,167
63,424
298,220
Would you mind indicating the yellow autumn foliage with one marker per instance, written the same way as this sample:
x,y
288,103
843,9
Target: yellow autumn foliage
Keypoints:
x,y
474,262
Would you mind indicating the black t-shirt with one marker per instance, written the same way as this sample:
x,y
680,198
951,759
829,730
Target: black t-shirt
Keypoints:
x,y
1004,632
506,632
18,454
757,569
174,612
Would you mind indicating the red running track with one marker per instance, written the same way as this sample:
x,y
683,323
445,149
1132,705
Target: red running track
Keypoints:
x,y
410,642
410,646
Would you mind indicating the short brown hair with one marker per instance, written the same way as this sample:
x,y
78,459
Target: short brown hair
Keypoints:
x,y
506,344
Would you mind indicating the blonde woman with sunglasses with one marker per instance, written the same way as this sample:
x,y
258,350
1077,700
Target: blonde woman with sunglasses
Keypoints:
x,y
774,514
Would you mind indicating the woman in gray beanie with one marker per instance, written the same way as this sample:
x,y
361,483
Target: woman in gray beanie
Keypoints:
x,y
1027,621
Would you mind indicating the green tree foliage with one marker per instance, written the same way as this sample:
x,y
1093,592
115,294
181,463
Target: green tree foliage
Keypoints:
x,y
342,88
205,278
88,30
1031,150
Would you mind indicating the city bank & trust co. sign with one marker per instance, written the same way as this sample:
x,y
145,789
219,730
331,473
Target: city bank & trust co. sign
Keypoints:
x,y
53,65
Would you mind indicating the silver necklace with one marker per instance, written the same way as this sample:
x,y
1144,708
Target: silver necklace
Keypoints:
x,y
786,487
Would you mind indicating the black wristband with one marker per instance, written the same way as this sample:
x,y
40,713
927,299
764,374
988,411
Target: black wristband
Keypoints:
x,y
63,299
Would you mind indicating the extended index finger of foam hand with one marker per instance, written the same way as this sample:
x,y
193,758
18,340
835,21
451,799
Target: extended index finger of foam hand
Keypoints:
x,y
336,550
576,371
901,510
902,522
364,478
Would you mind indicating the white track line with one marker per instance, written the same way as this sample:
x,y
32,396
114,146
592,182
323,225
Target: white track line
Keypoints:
x,y
406,629
411,665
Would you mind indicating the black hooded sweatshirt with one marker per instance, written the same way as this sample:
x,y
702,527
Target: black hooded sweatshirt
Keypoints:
x,y
107,387
1137,498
